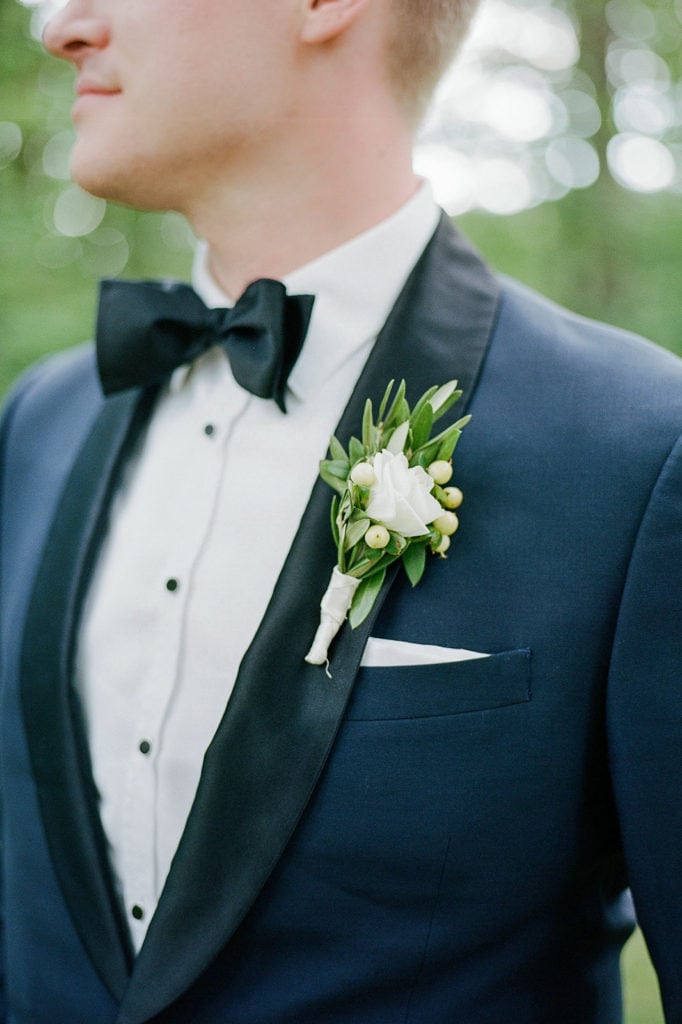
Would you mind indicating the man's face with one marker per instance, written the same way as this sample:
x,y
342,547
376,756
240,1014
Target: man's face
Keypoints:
x,y
175,96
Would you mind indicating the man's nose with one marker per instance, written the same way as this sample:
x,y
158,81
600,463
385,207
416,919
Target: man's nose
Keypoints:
x,y
72,32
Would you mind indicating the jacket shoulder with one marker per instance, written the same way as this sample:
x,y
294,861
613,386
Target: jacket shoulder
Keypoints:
x,y
589,344
71,372
54,401
606,371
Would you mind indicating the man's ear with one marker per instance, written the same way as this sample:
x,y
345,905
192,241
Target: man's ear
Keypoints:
x,y
324,20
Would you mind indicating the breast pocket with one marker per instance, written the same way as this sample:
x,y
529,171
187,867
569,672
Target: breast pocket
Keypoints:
x,y
452,688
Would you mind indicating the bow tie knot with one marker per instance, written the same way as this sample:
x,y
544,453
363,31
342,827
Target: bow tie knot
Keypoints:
x,y
146,329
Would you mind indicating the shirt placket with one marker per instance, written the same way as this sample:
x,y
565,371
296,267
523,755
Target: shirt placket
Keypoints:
x,y
207,423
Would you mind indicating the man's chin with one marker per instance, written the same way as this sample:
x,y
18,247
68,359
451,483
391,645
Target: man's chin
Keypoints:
x,y
115,183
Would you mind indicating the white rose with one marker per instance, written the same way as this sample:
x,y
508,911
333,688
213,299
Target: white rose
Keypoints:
x,y
400,499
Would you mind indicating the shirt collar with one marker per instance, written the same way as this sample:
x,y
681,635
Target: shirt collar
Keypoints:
x,y
355,287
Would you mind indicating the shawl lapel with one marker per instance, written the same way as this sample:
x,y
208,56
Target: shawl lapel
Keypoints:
x,y
51,711
283,716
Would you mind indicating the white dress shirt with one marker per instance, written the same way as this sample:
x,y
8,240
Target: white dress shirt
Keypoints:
x,y
200,529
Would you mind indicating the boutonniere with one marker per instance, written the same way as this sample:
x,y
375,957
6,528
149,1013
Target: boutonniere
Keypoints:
x,y
391,503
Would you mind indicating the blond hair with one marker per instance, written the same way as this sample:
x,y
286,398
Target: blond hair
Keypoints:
x,y
424,36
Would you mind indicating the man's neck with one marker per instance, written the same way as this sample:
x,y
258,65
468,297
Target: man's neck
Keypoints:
x,y
269,225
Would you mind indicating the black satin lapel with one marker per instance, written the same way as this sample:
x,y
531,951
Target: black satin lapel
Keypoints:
x,y
283,716
51,711
439,328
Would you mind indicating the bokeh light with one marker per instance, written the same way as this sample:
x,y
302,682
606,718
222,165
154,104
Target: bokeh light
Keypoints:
x,y
521,97
641,163
11,141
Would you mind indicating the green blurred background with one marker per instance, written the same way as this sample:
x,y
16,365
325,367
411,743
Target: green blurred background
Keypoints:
x,y
557,145
565,115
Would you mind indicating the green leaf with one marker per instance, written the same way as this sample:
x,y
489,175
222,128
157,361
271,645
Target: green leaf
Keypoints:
x,y
447,404
334,511
384,401
355,451
365,596
346,506
340,553
403,412
355,532
441,396
423,400
450,437
425,455
461,424
449,444
432,450
397,440
393,417
336,468
396,545
421,426
367,425
332,479
365,563
337,451
414,561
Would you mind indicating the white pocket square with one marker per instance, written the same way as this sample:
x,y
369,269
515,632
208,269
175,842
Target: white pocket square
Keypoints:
x,y
380,653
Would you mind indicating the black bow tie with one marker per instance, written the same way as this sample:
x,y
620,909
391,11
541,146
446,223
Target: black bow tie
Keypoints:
x,y
146,329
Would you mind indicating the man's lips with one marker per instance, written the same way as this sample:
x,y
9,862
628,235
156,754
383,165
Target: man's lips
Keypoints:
x,y
89,87
89,91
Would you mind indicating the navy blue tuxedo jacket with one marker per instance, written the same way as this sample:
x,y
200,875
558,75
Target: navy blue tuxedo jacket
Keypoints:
x,y
443,844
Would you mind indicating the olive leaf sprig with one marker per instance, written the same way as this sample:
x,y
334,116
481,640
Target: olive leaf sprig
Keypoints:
x,y
366,547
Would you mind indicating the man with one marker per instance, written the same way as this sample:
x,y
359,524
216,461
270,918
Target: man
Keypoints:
x,y
421,837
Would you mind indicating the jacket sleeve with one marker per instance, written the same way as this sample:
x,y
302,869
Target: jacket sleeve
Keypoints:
x,y
4,429
6,420
3,999
645,728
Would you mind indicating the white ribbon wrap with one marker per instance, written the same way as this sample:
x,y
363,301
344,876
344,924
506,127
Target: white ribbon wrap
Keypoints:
x,y
334,608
